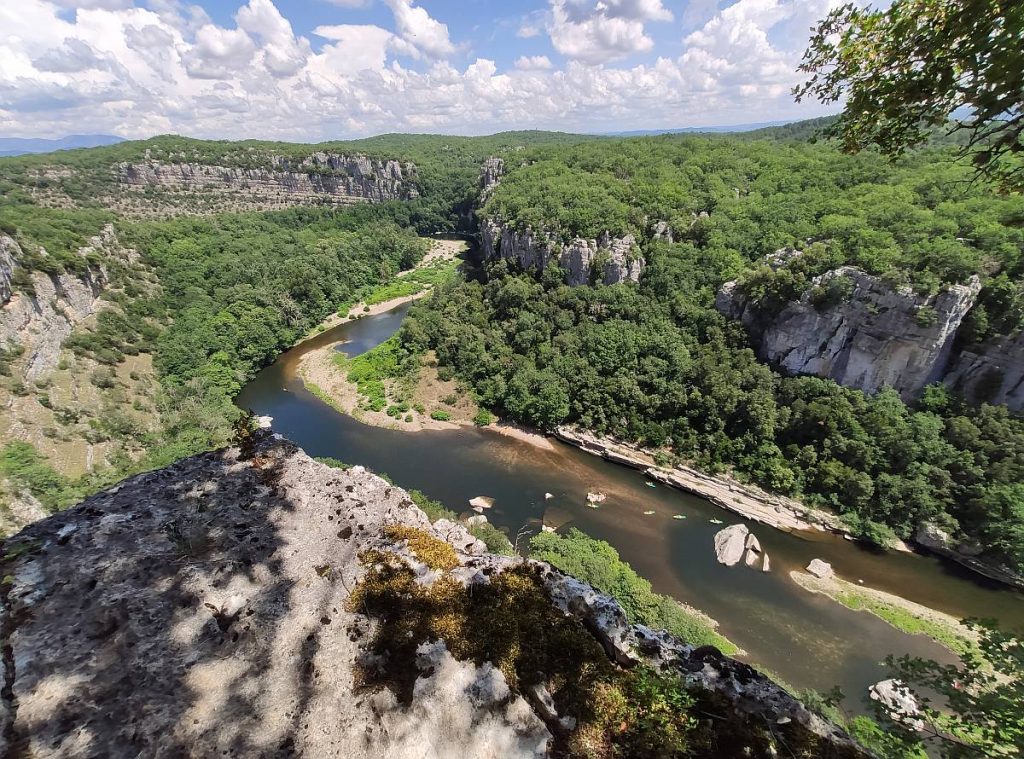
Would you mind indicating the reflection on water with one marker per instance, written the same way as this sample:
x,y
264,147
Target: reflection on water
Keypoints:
x,y
807,639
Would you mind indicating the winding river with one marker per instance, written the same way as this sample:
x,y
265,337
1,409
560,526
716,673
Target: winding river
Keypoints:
x,y
807,639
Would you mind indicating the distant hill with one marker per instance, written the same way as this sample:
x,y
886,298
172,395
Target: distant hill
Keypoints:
x,y
685,130
22,145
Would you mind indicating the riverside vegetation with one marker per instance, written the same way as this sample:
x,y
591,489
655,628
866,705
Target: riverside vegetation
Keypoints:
x,y
656,364
652,362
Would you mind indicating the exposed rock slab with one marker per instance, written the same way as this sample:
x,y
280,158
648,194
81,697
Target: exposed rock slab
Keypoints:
x,y
606,260
878,336
200,610
820,569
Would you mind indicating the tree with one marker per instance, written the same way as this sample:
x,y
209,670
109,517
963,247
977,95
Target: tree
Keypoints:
x,y
981,701
905,70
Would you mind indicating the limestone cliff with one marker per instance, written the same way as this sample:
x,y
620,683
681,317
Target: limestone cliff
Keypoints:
x,y
53,398
608,260
876,335
320,178
992,372
207,610
40,322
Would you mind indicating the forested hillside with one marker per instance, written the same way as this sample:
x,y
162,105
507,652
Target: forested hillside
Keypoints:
x,y
657,364
178,308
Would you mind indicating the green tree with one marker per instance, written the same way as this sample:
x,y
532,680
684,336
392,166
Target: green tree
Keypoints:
x,y
981,701
904,70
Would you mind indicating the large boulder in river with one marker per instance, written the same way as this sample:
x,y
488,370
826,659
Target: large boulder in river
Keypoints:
x,y
730,544
821,569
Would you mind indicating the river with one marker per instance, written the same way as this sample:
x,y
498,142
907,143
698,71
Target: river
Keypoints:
x,y
807,639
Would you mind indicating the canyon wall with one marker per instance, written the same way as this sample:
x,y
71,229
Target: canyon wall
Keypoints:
x,y
606,260
320,178
40,322
203,609
879,336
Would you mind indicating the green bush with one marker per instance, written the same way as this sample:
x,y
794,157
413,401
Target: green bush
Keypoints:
x,y
440,416
596,562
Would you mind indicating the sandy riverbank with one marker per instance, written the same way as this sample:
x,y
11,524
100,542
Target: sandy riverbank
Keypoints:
x,y
904,615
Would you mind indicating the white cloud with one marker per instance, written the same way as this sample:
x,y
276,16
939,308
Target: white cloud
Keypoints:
x,y
218,52
283,54
607,30
170,68
533,63
416,27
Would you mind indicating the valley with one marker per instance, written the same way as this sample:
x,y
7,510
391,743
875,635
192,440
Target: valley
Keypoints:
x,y
820,344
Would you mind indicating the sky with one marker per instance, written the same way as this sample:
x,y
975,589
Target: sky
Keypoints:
x,y
313,70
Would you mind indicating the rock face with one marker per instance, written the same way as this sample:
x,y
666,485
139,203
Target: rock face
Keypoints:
x,y
201,610
490,174
40,323
992,372
607,260
323,177
876,337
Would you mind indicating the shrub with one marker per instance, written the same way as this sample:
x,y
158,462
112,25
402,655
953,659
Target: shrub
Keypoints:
x,y
440,416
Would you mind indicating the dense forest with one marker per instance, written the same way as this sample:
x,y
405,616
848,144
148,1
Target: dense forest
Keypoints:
x,y
655,363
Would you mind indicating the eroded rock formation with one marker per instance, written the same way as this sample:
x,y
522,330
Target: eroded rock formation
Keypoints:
x,y
877,336
992,372
606,260
322,177
201,610
40,322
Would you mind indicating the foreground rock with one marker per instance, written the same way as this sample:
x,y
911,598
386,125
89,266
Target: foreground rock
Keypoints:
x,y
202,610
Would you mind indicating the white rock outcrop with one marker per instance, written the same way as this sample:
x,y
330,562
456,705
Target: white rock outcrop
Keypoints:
x,y
40,322
877,337
606,260
731,544
335,178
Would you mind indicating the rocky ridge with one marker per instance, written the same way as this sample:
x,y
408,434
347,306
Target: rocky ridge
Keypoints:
x,y
201,609
878,336
320,178
605,260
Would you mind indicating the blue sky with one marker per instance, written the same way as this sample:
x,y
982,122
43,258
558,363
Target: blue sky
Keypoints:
x,y
330,69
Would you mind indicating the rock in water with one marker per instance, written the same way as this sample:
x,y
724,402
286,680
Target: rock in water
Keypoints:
x,y
766,565
475,520
898,702
821,569
730,544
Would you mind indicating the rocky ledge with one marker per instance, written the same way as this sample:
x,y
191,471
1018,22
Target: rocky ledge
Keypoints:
x,y
226,606
605,260
874,337
322,177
